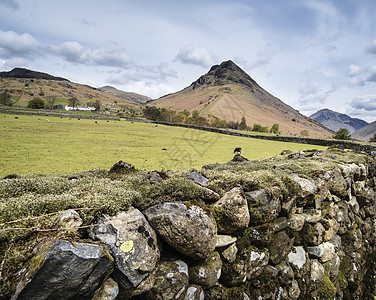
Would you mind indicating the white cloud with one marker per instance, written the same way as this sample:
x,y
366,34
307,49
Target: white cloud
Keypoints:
x,y
196,56
264,57
366,102
13,44
75,53
354,70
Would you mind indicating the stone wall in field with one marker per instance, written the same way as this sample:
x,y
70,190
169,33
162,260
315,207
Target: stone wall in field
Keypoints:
x,y
316,242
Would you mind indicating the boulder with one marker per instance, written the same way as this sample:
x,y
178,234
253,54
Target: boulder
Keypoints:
x,y
171,281
65,270
336,182
306,189
122,167
108,291
194,292
133,244
207,273
231,212
262,207
280,246
189,229
238,158
198,178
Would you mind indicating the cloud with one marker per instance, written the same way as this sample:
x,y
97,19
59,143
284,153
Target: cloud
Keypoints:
x,y
372,75
264,57
75,53
366,102
10,4
196,56
371,49
14,45
354,70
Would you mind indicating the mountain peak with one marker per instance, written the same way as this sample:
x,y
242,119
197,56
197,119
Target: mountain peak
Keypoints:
x,y
225,73
26,73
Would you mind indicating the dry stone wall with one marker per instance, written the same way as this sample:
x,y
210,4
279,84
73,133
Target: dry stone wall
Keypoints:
x,y
317,241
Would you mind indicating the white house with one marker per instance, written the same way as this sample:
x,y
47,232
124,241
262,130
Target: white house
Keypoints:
x,y
84,108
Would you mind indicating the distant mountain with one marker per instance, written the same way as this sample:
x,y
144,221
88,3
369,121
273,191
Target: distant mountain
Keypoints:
x,y
365,133
335,120
125,95
229,93
25,73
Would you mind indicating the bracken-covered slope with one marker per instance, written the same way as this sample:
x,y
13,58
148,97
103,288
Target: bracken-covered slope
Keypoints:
x,y
335,120
25,73
227,92
134,97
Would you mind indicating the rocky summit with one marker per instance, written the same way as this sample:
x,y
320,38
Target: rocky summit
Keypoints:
x,y
291,227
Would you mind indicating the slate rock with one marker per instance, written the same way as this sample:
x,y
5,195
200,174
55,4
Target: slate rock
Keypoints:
x,y
231,212
207,273
65,270
122,167
262,207
108,291
198,178
171,281
190,230
11,176
194,292
133,244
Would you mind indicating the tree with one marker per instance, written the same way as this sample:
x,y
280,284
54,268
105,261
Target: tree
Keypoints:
x,y
243,124
50,101
97,104
342,134
373,139
36,103
73,102
5,99
275,129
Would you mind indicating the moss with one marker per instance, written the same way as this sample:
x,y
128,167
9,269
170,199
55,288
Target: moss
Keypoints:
x,y
341,281
326,290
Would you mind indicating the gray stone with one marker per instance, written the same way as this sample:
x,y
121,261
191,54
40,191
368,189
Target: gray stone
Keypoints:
x,y
190,230
198,178
108,291
224,240
262,207
293,290
306,189
297,257
69,220
194,292
207,273
122,167
65,270
209,195
313,215
324,251
296,221
171,281
286,273
229,254
317,271
133,244
231,212
280,246
331,226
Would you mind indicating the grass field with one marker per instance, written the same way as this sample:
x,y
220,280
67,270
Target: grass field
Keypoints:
x,y
31,145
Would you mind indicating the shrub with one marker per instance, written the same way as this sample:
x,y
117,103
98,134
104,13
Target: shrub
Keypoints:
x,y
36,103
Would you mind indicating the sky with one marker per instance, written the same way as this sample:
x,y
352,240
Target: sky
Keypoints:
x,y
312,54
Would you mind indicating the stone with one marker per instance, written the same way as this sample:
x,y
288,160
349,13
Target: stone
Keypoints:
x,y
261,235
324,251
249,263
317,271
229,254
224,240
209,195
190,230
238,158
285,272
122,167
262,207
286,207
332,266
69,220
336,182
171,281
198,178
296,221
293,290
342,212
133,244
65,270
207,273
11,176
231,212
194,292
313,234
280,246
306,189
108,291
281,223
297,257
313,215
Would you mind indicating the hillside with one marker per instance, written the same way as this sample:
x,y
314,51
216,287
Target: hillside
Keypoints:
x,y
134,97
227,92
25,73
24,85
335,120
365,133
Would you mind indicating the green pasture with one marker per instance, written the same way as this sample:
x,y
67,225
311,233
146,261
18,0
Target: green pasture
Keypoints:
x,y
31,145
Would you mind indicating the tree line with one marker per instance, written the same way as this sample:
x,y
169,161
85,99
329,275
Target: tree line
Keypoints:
x,y
185,117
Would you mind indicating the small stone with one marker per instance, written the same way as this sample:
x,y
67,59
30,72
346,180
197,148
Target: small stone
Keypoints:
x,y
108,291
224,240
229,255
297,257
198,178
317,271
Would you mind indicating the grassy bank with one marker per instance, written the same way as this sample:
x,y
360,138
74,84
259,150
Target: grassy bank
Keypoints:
x,y
31,145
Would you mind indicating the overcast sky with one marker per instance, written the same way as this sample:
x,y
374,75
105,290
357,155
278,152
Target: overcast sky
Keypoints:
x,y
311,54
